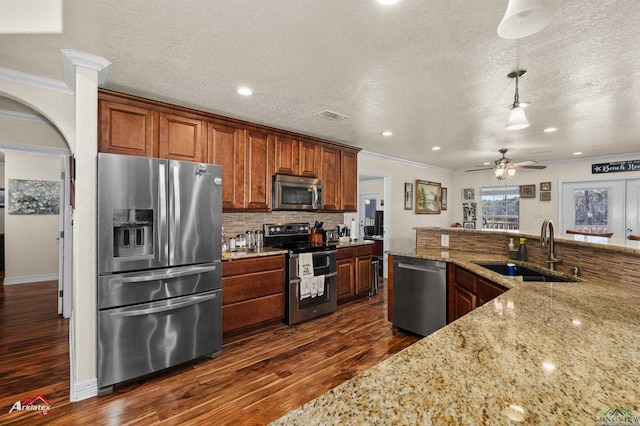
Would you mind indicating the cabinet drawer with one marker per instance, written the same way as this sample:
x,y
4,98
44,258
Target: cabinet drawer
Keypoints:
x,y
252,265
251,312
464,279
364,250
345,253
251,286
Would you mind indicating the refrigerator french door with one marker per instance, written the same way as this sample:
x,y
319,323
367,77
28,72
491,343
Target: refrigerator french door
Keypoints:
x,y
159,267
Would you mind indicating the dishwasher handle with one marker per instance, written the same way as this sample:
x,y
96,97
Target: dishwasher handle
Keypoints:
x,y
420,267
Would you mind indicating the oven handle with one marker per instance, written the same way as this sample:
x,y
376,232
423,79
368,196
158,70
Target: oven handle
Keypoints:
x,y
323,253
164,276
297,280
169,307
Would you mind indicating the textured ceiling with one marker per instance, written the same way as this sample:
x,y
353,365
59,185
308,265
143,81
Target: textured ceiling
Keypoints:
x,y
432,72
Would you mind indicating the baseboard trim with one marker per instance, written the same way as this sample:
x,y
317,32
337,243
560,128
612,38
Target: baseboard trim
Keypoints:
x,y
30,279
84,390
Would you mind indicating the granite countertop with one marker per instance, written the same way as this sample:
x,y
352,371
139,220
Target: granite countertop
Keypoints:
x,y
246,254
359,242
541,353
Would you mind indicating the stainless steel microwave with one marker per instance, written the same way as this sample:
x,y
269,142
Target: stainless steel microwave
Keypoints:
x,y
296,193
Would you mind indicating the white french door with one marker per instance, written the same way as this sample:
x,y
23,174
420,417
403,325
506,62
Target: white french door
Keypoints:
x,y
600,206
633,203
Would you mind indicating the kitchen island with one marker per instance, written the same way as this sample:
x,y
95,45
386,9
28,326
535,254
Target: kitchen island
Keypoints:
x,y
540,353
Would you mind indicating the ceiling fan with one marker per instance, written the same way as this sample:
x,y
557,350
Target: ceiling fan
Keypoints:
x,y
504,167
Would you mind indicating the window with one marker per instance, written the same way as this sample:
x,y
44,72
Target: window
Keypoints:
x,y
591,210
500,207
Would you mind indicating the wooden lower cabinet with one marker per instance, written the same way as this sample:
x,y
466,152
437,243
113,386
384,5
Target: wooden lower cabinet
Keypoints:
x,y
252,292
467,291
354,272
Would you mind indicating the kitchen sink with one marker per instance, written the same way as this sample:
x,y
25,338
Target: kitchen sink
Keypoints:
x,y
527,274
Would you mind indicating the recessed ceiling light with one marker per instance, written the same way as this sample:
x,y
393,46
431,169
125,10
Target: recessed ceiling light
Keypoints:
x,y
550,130
435,148
386,133
387,2
486,163
577,153
244,91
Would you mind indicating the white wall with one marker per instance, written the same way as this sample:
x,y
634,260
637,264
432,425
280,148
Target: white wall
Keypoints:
x,y
399,223
31,245
532,210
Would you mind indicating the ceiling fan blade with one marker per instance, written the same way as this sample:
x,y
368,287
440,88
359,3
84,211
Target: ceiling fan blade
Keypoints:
x,y
525,163
531,167
477,170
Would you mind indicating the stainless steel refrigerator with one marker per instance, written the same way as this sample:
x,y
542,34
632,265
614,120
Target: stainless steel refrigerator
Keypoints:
x,y
159,265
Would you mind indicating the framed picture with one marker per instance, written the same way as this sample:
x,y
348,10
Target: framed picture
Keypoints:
x,y
545,186
527,191
468,194
408,196
545,196
443,198
467,224
427,197
469,211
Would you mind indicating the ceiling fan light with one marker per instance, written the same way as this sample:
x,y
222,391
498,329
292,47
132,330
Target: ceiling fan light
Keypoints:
x,y
511,172
517,119
524,18
499,172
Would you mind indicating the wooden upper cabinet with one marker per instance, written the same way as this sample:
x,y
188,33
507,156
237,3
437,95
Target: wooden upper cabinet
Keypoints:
x,y
225,147
127,129
309,159
287,155
349,180
330,175
259,157
181,138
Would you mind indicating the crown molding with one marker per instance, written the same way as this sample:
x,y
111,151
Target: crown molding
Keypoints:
x,y
33,80
74,58
401,160
39,150
23,116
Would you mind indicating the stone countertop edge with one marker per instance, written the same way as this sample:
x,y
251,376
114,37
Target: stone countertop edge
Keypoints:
x,y
540,353
267,251
613,244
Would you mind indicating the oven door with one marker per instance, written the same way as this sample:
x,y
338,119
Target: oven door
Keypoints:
x,y
295,193
304,303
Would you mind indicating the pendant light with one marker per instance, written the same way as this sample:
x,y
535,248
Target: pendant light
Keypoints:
x,y
524,18
517,118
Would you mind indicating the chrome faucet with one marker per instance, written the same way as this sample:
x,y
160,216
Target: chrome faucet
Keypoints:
x,y
547,225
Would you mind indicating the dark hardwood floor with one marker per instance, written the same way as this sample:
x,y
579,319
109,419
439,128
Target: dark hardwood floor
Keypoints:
x,y
258,377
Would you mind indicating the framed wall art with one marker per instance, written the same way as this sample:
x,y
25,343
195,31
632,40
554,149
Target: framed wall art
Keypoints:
x,y
408,196
527,191
427,197
469,224
545,186
443,198
545,196
33,197
469,211
468,194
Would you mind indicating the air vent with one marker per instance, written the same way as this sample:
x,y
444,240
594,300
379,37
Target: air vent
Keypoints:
x,y
331,115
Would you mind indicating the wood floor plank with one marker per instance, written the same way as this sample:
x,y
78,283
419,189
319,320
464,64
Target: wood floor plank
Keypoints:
x,y
258,378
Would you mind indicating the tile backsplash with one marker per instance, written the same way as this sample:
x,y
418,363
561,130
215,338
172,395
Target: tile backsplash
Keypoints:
x,y
239,223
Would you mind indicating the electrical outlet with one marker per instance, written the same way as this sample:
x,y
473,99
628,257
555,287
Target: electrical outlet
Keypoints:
x,y
444,240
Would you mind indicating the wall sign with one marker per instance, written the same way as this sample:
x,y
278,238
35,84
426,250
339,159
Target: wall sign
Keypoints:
x,y
618,166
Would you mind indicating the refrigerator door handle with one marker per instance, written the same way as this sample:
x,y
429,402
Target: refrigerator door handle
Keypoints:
x,y
193,270
175,223
162,196
168,307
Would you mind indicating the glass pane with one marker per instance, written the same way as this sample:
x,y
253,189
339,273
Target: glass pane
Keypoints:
x,y
500,207
370,205
591,210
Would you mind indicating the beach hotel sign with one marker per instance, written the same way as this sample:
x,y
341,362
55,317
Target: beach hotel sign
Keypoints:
x,y
618,166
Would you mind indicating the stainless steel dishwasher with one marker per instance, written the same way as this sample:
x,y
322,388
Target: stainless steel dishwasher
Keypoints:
x,y
419,294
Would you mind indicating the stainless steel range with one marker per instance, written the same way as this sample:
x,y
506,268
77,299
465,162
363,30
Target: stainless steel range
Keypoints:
x,y
310,286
